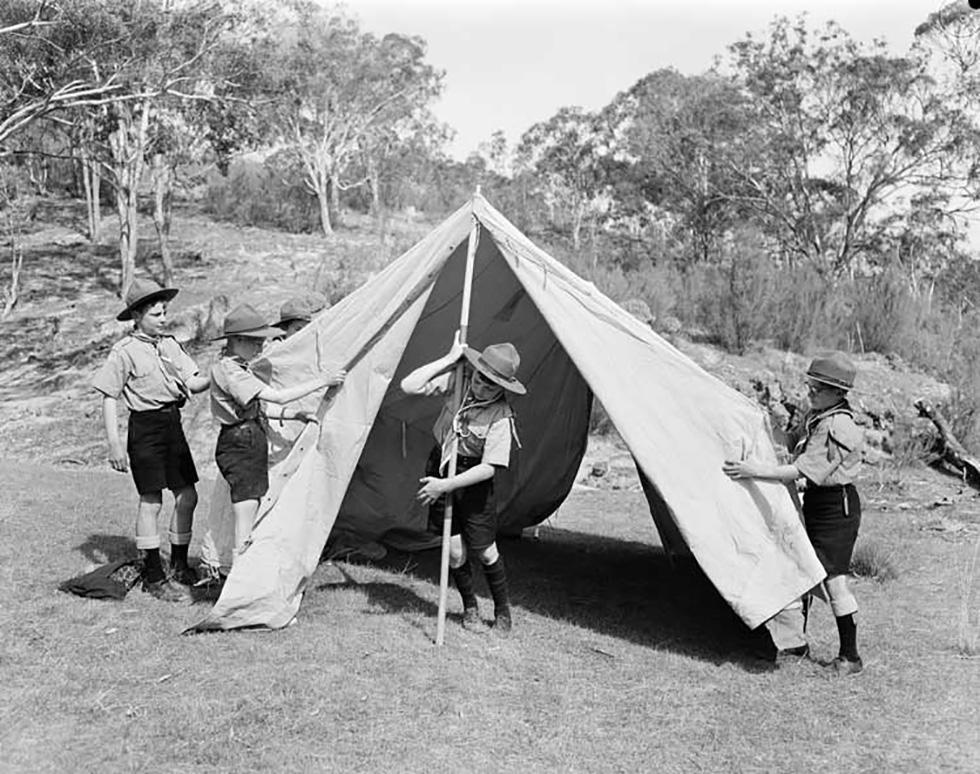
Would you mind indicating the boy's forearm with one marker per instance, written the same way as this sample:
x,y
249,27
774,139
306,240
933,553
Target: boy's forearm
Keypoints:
x,y
289,394
274,411
110,420
474,475
784,473
417,379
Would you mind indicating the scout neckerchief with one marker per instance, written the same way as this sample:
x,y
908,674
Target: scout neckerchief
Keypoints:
x,y
460,428
842,407
170,371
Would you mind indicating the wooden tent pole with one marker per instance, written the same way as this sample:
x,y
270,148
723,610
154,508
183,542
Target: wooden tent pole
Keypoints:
x,y
464,323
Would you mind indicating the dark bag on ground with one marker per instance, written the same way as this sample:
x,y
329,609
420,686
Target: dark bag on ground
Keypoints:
x,y
110,581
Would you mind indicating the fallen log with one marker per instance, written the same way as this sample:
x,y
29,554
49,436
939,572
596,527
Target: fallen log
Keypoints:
x,y
953,453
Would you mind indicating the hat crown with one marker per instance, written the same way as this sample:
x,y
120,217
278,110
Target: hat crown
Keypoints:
x,y
296,309
501,358
834,369
242,319
143,292
140,289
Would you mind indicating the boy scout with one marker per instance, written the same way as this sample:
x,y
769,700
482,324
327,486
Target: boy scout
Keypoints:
x,y
153,376
242,452
478,431
827,453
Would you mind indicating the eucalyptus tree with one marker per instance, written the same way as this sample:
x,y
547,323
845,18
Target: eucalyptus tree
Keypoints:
x,y
46,64
849,141
333,90
679,137
564,156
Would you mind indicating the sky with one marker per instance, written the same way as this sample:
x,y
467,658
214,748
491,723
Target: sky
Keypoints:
x,y
511,63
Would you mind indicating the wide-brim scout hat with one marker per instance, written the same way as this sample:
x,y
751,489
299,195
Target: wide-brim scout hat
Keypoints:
x,y
244,320
294,309
143,292
834,369
499,363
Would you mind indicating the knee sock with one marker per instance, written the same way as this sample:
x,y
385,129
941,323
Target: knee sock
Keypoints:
x,y
178,555
152,567
463,578
847,630
497,580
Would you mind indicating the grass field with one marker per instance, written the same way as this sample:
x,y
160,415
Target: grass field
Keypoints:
x,y
619,660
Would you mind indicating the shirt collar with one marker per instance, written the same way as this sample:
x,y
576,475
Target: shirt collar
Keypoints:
x,y
140,336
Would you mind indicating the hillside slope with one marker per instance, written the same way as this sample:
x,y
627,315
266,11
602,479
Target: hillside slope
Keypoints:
x,y
64,325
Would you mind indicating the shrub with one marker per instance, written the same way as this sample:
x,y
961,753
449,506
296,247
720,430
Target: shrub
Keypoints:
x,y
872,561
910,443
259,194
599,421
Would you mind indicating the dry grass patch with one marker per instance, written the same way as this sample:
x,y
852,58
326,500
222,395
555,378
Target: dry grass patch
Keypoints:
x,y
620,661
874,561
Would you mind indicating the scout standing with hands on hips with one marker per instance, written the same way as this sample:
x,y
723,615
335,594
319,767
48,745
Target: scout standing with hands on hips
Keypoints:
x,y
827,453
479,433
153,376
242,450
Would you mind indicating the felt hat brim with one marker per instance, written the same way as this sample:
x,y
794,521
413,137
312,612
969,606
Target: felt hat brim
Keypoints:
x,y
511,384
281,323
255,333
830,382
164,294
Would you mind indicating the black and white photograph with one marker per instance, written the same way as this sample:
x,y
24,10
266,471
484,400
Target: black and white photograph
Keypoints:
x,y
494,386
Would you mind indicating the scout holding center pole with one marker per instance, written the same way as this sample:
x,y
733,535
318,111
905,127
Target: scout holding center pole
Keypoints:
x,y
464,321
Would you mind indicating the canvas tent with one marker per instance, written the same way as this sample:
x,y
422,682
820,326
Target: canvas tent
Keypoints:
x,y
356,473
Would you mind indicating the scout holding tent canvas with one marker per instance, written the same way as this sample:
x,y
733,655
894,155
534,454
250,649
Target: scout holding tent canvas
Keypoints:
x,y
354,475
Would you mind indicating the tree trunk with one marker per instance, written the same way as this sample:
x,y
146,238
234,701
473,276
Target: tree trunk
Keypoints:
x,y
335,197
128,237
92,184
372,169
163,188
577,226
86,170
954,453
96,205
323,200
128,144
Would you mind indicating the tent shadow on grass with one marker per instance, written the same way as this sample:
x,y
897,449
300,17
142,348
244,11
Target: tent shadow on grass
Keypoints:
x,y
618,588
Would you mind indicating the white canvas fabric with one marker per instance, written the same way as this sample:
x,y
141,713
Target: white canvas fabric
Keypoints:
x,y
354,477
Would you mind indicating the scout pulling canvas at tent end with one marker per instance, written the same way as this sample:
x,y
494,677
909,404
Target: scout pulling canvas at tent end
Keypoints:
x,y
678,421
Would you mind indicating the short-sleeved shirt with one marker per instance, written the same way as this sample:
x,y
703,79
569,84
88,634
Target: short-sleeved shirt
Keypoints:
x,y
147,373
235,391
829,454
483,429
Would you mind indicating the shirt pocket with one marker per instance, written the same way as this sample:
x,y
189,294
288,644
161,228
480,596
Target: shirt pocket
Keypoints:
x,y
143,375
479,429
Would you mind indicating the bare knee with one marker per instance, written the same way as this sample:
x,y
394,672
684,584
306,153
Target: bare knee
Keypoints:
x,y
489,555
842,600
457,551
